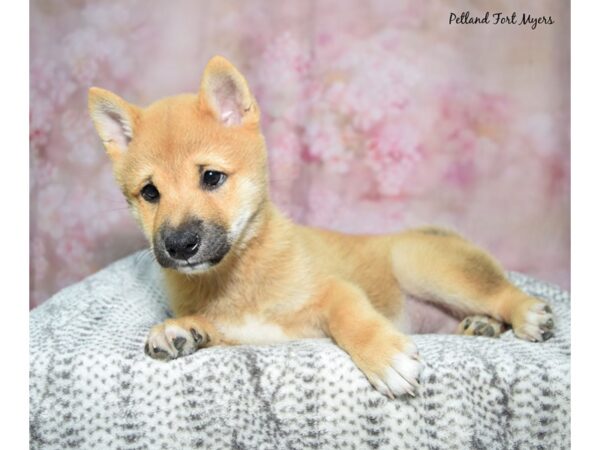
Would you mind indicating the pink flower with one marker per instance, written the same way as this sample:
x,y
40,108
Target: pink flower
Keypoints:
x,y
285,152
394,151
324,142
282,79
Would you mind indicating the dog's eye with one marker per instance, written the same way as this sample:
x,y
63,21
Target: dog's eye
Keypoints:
x,y
211,179
150,193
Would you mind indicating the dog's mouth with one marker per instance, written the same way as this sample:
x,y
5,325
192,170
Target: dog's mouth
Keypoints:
x,y
198,267
197,264
191,269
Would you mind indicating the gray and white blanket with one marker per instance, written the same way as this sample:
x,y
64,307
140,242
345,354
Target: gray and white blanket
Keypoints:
x,y
92,386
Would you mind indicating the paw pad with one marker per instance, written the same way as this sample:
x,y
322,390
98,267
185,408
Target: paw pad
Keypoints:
x,y
179,342
199,338
480,326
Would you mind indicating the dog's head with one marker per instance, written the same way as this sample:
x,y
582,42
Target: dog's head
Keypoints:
x,y
193,168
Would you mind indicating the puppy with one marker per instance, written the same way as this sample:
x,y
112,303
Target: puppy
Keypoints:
x,y
193,169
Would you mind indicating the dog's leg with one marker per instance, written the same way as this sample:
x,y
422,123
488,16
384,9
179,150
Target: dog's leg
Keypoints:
x,y
388,358
180,337
440,266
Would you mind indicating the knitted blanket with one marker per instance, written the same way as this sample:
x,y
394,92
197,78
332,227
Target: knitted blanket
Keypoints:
x,y
92,386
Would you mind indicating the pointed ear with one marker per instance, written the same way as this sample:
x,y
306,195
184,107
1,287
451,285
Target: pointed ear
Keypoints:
x,y
225,93
115,119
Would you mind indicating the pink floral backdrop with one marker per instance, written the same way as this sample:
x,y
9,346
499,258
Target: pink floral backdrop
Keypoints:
x,y
379,115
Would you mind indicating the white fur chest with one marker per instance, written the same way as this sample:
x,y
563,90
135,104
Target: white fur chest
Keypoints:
x,y
253,330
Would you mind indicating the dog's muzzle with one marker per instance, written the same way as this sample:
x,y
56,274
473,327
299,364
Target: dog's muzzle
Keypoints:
x,y
192,244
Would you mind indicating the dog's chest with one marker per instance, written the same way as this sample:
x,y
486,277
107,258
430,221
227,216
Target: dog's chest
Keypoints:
x,y
253,330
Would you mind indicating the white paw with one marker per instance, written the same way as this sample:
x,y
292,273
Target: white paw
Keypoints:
x,y
170,340
537,325
401,376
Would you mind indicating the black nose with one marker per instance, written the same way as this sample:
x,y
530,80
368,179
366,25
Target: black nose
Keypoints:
x,y
182,244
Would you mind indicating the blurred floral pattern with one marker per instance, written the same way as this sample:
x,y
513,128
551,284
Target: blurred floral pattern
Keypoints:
x,y
379,115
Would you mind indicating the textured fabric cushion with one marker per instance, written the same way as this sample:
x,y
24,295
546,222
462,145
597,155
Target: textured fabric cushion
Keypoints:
x,y
92,386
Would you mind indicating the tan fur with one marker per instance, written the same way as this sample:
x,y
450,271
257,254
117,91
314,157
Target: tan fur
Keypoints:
x,y
280,279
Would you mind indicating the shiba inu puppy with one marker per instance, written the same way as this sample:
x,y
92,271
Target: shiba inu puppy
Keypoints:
x,y
193,169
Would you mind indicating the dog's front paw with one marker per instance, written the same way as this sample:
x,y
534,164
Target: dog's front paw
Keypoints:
x,y
534,322
400,374
174,338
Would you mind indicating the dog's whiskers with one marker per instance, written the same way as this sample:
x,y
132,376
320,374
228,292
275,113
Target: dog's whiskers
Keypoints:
x,y
144,254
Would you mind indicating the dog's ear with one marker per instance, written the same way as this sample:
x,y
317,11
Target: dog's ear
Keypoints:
x,y
115,119
225,93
